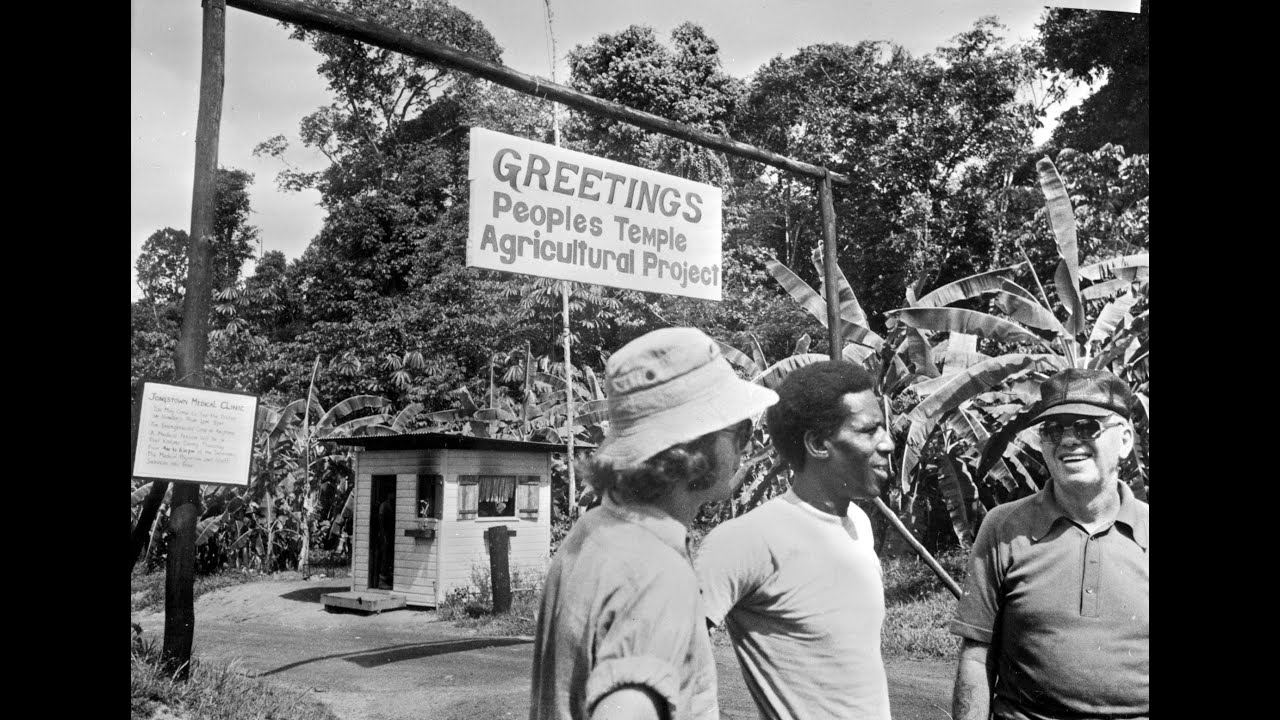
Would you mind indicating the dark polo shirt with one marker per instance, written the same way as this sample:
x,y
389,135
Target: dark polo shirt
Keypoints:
x,y
1067,612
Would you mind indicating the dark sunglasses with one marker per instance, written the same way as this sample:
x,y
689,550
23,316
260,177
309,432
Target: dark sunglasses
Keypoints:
x,y
1083,429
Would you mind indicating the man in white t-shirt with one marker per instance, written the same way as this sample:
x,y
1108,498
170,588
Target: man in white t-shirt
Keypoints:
x,y
796,581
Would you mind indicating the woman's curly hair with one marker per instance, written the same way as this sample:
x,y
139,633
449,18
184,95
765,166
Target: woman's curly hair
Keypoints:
x,y
692,463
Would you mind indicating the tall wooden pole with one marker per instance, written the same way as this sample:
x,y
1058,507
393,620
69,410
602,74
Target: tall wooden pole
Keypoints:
x,y
834,344
193,344
564,293
371,33
834,337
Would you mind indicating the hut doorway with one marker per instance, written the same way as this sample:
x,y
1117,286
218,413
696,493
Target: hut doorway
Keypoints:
x,y
382,532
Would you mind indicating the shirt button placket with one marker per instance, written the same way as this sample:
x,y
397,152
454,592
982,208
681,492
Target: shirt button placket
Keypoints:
x,y
1092,573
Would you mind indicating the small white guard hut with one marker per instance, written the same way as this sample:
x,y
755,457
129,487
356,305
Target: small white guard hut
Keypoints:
x,y
423,504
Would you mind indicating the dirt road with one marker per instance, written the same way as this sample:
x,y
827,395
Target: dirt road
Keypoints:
x,y
406,665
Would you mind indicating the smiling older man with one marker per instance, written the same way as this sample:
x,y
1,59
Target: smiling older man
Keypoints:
x,y
1055,618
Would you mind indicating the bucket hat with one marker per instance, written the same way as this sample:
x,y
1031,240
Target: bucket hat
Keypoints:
x,y
668,387
1078,391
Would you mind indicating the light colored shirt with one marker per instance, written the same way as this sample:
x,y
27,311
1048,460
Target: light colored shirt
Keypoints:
x,y
801,594
1067,612
621,608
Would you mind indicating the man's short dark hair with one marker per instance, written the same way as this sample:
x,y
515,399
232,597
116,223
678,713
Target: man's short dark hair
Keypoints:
x,y
811,400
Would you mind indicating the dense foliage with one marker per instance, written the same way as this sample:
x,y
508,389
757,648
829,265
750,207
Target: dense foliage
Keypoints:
x,y
947,232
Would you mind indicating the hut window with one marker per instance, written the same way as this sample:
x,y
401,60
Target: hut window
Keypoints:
x,y
430,496
527,496
486,496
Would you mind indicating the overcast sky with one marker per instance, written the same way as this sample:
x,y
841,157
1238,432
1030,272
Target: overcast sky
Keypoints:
x,y
271,82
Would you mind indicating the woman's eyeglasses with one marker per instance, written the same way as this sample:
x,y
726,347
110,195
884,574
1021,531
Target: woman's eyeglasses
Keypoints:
x,y
1083,429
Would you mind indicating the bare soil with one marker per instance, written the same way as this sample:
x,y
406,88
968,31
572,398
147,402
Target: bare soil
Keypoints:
x,y
406,664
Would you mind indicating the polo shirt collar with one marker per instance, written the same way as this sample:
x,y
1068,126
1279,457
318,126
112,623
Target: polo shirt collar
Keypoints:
x,y
1046,511
1130,516
667,529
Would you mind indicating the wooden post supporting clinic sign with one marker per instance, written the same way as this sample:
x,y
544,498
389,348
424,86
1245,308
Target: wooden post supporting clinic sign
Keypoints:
x,y
538,209
194,435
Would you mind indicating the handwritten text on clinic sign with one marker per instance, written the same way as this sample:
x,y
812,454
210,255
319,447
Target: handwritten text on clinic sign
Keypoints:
x,y
195,435
541,210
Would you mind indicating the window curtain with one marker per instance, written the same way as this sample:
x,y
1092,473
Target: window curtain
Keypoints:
x,y
498,488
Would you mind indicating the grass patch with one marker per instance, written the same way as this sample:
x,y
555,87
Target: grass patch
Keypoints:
x,y
918,607
472,606
146,590
212,691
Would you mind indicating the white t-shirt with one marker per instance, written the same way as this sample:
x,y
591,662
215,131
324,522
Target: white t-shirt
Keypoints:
x,y
801,594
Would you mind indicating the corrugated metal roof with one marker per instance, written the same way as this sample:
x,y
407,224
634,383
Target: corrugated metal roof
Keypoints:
x,y
439,441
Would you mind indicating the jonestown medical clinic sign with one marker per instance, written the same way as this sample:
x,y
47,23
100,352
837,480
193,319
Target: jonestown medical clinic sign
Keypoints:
x,y
541,210
194,435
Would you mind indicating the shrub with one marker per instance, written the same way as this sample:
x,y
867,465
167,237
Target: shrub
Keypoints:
x,y
472,606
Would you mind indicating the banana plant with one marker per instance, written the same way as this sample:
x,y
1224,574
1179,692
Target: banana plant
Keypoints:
x,y
1040,344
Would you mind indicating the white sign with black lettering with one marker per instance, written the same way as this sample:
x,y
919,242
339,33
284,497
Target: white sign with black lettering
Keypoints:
x,y
541,210
194,435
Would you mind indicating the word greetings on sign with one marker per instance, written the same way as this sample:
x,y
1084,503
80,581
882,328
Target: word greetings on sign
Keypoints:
x,y
537,209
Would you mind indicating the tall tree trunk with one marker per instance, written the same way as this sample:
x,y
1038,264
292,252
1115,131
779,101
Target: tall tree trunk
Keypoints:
x,y
193,344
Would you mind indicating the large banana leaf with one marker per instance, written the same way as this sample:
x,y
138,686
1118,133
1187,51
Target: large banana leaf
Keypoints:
x,y
406,416
966,428
957,489
579,390
757,352
810,300
962,342
1112,316
349,406
856,354
545,434
1062,220
961,387
495,414
444,416
206,529
848,301
738,358
593,412
966,288
915,350
1028,312
291,413
468,403
1104,289
265,419
1099,270
970,322
774,374
1132,274
1122,342
597,390
925,388
1022,471
353,427
137,496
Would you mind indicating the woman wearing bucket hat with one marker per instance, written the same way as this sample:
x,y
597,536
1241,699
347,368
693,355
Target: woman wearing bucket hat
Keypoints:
x,y
620,630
